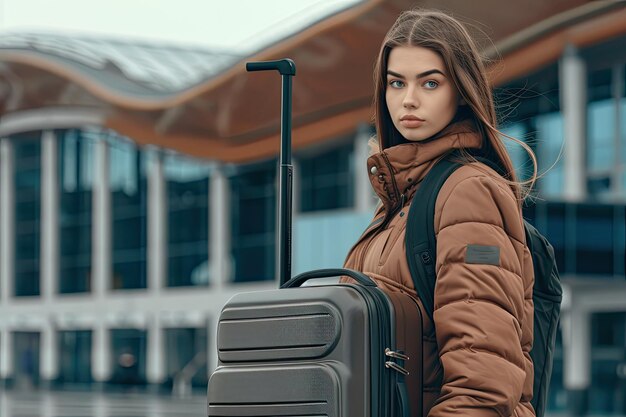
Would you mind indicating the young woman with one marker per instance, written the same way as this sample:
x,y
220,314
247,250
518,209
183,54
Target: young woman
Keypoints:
x,y
432,97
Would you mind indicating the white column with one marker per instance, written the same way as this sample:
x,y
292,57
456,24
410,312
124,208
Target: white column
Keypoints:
x,y
7,220
364,200
101,354
49,216
101,229
157,224
219,228
575,324
573,88
6,354
155,371
49,353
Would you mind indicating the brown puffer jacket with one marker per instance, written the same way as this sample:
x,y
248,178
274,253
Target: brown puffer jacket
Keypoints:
x,y
476,353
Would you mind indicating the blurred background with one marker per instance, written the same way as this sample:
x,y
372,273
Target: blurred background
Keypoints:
x,y
138,176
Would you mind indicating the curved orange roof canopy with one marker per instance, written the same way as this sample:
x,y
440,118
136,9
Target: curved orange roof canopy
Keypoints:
x,y
235,116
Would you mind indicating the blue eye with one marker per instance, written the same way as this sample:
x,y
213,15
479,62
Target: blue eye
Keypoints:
x,y
396,84
431,85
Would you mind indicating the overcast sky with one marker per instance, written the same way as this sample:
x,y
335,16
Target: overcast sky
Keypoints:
x,y
240,24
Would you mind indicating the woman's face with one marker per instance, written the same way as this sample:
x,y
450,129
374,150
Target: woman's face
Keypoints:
x,y
421,98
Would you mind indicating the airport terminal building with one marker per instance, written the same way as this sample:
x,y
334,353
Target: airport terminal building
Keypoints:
x,y
138,187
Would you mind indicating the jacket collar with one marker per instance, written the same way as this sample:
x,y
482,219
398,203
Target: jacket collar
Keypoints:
x,y
395,171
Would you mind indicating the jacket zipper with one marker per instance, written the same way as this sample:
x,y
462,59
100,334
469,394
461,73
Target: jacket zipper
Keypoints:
x,y
381,224
393,178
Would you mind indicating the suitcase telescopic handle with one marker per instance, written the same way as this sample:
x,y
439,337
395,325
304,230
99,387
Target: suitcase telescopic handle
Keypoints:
x,y
287,69
359,277
283,66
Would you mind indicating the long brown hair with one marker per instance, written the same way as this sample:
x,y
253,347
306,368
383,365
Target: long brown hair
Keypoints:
x,y
447,36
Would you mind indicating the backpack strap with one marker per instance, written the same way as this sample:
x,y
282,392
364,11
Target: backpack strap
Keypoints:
x,y
420,242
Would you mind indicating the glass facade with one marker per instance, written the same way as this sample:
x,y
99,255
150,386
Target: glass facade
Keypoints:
x,y
187,221
186,355
601,128
75,356
129,356
327,179
595,240
530,111
622,142
523,167
607,393
253,221
589,242
606,119
128,211
26,353
75,179
27,151
585,237
551,142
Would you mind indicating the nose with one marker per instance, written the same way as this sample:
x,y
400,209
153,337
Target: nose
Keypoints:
x,y
410,100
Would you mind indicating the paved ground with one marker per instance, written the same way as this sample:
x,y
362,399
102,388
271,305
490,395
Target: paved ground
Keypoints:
x,y
96,404
89,404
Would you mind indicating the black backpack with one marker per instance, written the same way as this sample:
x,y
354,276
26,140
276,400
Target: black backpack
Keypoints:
x,y
547,293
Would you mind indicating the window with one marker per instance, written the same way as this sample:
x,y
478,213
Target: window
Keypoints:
x,y
27,151
253,221
327,180
606,131
606,393
188,221
594,240
599,84
530,111
550,143
601,128
26,356
588,239
75,356
128,209
622,140
620,232
519,156
75,179
129,356
556,233
608,329
187,347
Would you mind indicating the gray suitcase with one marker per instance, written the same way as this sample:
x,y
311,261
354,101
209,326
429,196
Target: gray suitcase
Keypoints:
x,y
347,350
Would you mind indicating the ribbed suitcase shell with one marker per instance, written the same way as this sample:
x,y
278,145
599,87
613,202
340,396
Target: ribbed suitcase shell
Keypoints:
x,y
317,351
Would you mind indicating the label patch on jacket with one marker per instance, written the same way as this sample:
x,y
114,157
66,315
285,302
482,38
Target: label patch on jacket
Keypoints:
x,y
485,255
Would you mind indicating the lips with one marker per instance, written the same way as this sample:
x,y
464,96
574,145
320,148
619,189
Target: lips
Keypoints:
x,y
410,117
411,121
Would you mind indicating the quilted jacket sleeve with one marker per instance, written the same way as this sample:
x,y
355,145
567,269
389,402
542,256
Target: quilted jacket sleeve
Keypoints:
x,y
479,298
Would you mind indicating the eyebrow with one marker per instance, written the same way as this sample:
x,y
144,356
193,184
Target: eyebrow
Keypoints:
x,y
420,75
